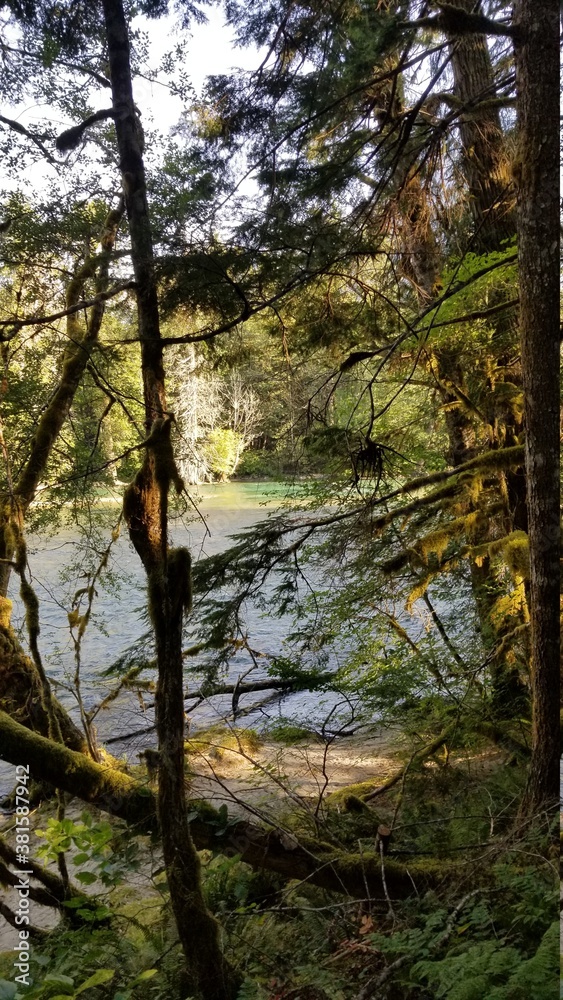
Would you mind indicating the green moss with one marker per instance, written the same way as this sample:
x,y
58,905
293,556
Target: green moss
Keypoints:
x,y
337,800
5,612
288,734
205,811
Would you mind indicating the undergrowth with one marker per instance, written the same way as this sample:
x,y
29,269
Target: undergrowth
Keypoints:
x,y
488,932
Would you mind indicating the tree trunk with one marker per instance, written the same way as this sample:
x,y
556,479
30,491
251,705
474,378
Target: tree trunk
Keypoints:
x,y
146,512
25,692
489,194
484,158
537,66
484,163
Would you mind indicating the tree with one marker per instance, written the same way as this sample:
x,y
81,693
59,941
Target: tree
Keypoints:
x,y
536,67
145,501
376,249
145,508
338,127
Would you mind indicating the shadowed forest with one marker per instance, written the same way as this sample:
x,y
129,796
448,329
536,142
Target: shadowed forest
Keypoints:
x,y
279,501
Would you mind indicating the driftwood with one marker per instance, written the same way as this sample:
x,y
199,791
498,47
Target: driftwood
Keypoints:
x,y
303,858
236,689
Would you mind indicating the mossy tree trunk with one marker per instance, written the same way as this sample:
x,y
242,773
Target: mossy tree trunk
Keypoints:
x,y
24,688
490,202
484,162
146,512
484,157
537,63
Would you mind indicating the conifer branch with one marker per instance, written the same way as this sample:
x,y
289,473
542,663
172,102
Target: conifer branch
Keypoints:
x,y
454,20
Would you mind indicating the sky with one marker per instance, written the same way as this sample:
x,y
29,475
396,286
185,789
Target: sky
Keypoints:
x,y
210,51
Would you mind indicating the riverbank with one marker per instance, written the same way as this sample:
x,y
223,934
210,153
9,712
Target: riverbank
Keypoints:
x,y
264,781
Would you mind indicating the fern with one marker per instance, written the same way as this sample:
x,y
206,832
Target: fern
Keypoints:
x,y
489,969
536,977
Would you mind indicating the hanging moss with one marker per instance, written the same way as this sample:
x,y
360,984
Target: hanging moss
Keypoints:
x,y
506,608
5,612
516,553
513,549
419,590
31,605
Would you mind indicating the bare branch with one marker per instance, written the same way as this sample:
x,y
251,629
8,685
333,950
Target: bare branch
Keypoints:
x,y
18,324
17,127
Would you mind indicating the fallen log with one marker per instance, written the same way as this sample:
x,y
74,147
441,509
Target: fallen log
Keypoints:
x,y
104,785
302,858
365,791
236,689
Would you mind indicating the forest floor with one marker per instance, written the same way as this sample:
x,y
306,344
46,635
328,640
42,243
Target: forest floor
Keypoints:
x,y
264,780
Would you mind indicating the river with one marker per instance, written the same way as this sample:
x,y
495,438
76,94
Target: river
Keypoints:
x,y
119,617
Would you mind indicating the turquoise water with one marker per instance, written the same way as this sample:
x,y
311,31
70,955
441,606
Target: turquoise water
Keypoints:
x,y
119,618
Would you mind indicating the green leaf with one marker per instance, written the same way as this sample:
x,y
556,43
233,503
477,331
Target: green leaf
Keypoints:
x,y
147,974
74,903
58,979
99,977
86,878
81,859
7,990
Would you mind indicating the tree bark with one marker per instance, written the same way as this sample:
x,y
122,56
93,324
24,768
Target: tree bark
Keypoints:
x,y
146,513
483,144
537,78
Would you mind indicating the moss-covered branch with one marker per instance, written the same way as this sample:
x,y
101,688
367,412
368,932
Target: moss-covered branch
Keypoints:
x,y
52,883
454,20
365,791
35,933
295,858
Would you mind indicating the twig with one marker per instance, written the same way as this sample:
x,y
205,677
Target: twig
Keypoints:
x,y
420,754
368,897
385,890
